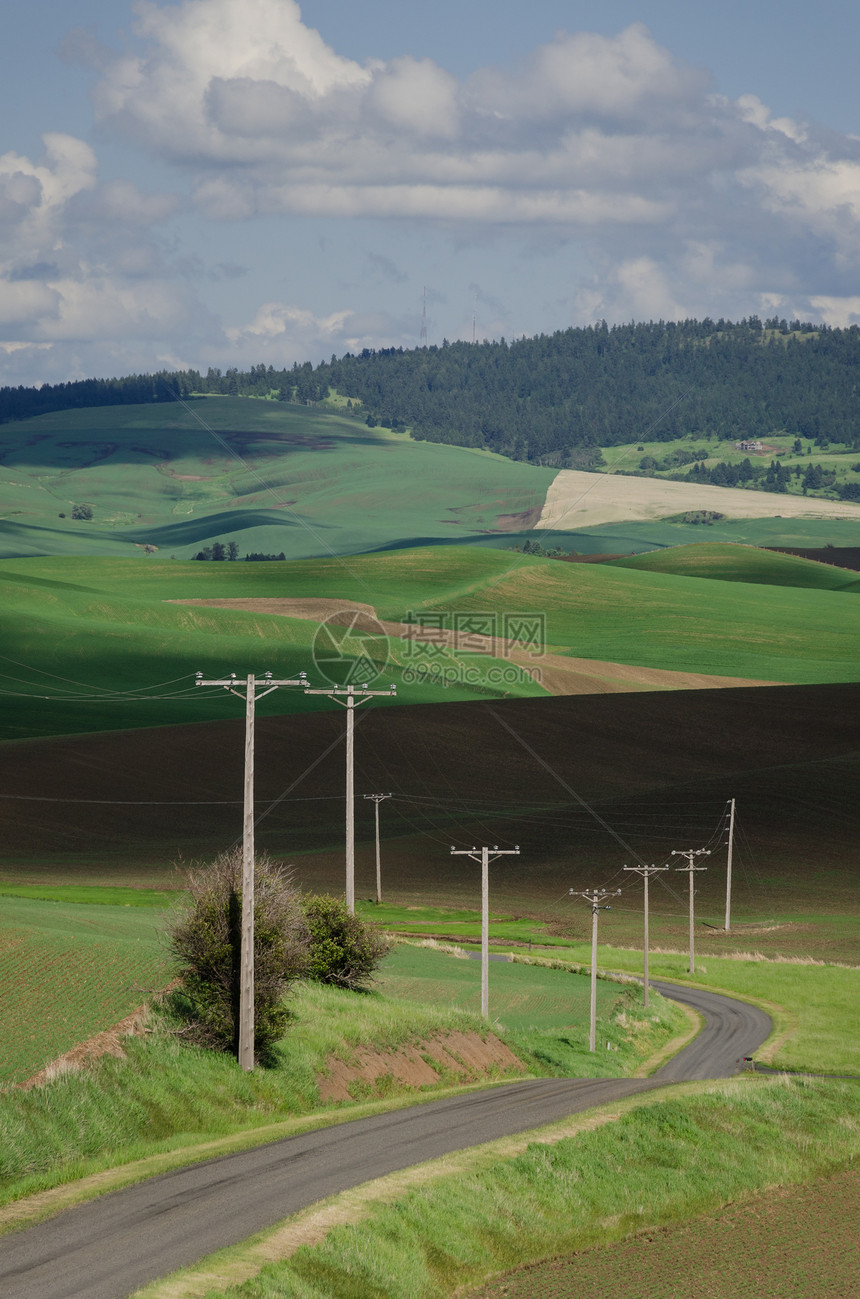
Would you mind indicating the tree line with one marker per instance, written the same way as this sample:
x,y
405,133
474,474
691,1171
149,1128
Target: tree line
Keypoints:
x,y
548,399
556,398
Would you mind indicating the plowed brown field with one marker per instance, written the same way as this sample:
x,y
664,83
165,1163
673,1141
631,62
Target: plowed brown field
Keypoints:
x,y
791,1243
123,807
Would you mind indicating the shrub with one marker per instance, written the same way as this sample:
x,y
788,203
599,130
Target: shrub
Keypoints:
x,y
344,949
82,512
206,940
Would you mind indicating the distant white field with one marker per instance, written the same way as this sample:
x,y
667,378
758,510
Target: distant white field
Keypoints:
x,y
579,500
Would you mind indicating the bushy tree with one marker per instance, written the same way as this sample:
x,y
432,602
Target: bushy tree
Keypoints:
x,y
344,949
206,940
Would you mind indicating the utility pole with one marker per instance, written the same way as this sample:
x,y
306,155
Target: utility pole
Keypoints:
x,y
729,866
251,690
483,855
377,799
690,853
354,695
646,872
597,898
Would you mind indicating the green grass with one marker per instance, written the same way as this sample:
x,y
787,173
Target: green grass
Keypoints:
x,y
737,629
731,563
90,643
657,1164
448,922
627,538
88,636
543,1012
92,895
815,1005
307,482
68,971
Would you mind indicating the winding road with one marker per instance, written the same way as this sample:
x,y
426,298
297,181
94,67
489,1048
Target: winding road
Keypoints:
x,y
112,1246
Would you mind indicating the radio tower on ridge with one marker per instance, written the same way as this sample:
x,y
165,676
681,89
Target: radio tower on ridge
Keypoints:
x,y
423,338
475,317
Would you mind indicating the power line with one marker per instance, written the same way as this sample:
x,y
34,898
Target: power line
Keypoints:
x,y
483,856
174,802
253,690
546,766
377,799
354,696
690,869
597,898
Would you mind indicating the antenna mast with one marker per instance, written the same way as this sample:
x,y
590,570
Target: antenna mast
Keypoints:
x,y
423,338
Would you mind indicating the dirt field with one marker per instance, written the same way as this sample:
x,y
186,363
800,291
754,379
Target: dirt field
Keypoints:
x,y
580,500
791,1243
171,795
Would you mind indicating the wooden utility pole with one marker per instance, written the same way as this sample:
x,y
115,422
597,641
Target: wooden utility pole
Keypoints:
x,y
729,866
377,799
251,690
646,872
484,856
597,899
690,853
354,695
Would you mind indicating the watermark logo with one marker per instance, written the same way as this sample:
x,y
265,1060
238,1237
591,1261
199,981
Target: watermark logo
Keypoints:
x,y
438,646
500,635
351,648
489,679
435,647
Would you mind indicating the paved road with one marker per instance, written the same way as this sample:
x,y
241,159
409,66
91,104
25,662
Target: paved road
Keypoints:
x,y
114,1245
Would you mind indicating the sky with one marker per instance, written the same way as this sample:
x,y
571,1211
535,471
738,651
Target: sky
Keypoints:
x,y
195,183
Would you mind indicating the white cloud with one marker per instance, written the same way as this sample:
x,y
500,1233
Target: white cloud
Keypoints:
x,y
206,56
278,320
77,260
589,75
101,306
69,166
281,333
838,312
821,194
599,152
609,140
416,96
590,129
121,201
753,110
25,301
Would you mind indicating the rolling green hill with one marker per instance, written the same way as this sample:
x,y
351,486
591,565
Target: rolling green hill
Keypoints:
x,y
732,563
306,481
271,476
93,644
635,537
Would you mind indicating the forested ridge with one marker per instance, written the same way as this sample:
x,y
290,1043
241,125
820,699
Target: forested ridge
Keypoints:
x,y
555,398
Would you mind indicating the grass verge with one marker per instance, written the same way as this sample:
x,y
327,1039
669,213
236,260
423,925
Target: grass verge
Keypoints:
x,y
663,1160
